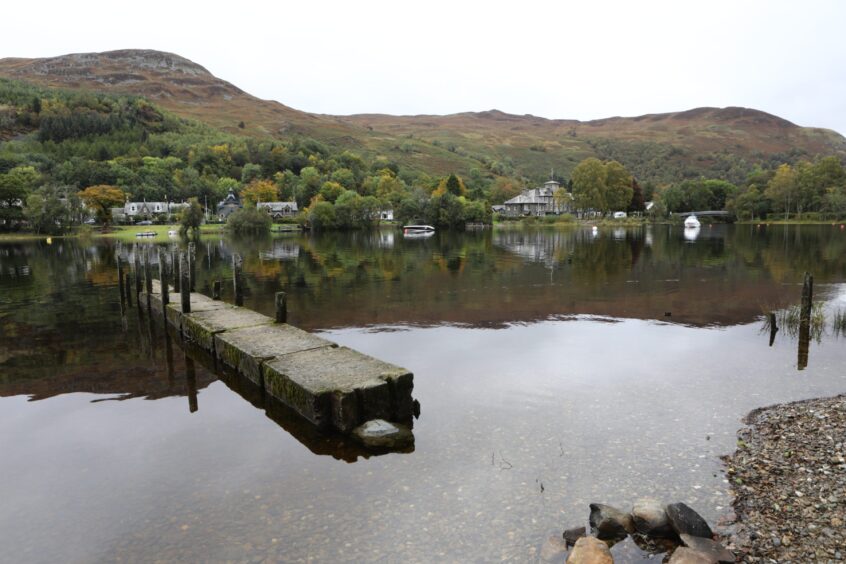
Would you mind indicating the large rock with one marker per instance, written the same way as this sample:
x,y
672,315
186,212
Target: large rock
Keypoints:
x,y
650,518
379,433
686,521
574,534
684,555
710,548
609,522
590,550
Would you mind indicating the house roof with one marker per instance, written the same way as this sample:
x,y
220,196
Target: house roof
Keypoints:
x,y
279,206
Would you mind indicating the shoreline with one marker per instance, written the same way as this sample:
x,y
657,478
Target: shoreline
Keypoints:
x,y
788,478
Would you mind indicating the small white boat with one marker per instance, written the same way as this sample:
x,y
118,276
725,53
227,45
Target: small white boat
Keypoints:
x,y
146,234
412,229
171,233
692,222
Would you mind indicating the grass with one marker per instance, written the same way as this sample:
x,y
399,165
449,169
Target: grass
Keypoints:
x,y
127,233
788,320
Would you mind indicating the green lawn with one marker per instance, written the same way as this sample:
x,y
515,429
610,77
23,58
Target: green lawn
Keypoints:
x,y
127,233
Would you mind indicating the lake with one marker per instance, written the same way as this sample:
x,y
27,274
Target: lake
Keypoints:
x,y
554,368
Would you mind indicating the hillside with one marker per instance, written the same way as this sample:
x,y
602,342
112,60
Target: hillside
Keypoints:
x,y
713,142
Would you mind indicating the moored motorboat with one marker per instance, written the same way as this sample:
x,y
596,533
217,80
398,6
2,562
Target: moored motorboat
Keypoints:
x,y
692,222
412,229
146,234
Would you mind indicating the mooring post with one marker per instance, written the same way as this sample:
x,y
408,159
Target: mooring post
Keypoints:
x,y
148,276
191,383
281,307
216,290
236,280
174,260
137,265
163,278
120,278
773,327
127,284
807,297
192,264
185,283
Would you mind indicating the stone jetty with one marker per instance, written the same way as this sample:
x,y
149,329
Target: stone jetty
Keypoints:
x,y
331,386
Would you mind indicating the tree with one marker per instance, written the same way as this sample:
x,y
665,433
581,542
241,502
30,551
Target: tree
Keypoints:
x,y
259,191
330,191
249,220
589,185
782,188
101,199
321,216
191,217
15,186
46,213
637,203
451,184
618,187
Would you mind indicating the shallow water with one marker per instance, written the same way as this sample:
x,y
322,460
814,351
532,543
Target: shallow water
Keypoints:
x,y
548,369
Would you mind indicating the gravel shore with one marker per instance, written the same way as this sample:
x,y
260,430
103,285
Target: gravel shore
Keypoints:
x,y
789,479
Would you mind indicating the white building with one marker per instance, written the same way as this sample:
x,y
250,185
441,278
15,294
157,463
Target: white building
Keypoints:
x,y
279,210
139,210
539,201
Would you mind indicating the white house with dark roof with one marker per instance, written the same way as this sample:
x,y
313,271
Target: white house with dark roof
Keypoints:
x,y
279,210
138,210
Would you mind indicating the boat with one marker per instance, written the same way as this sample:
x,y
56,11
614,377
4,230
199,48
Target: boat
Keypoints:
x,y
146,234
416,229
172,233
692,222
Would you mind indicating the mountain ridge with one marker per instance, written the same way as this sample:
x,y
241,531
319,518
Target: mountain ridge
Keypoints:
x,y
663,146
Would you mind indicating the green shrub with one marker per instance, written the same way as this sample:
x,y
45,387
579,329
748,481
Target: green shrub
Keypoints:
x,y
249,220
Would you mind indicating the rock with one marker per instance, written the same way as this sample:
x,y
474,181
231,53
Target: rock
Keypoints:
x,y
683,555
650,518
686,521
378,433
554,549
710,548
590,550
609,522
574,534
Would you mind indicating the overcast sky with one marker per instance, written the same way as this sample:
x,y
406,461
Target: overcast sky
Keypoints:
x,y
580,60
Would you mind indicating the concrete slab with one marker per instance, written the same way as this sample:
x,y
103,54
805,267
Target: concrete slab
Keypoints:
x,y
246,348
199,303
202,326
339,387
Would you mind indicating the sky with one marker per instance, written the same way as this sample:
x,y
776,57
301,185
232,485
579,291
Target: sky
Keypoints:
x,y
565,59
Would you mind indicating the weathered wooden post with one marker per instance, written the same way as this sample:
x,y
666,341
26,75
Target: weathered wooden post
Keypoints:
x,y
185,283
807,298
174,260
191,383
236,280
281,307
127,284
805,321
773,327
163,278
137,265
192,264
216,290
148,276
121,289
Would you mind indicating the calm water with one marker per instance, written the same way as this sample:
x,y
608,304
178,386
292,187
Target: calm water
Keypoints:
x,y
554,369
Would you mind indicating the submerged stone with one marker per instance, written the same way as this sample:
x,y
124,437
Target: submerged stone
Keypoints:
x,y
590,550
574,534
650,518
686,521
378,433
609,522
709,548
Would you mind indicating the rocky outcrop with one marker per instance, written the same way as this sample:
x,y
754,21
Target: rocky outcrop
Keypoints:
x,y
650,518
609,522
686,521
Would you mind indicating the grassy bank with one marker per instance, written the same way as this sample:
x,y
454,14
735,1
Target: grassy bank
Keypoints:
x,y
121,233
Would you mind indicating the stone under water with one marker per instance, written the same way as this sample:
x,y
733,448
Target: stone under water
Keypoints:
x,y
378,433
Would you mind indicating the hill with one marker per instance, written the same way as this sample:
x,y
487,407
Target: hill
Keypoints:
x,y
715,142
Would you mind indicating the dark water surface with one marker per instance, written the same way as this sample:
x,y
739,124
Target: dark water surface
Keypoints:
x,y
549,373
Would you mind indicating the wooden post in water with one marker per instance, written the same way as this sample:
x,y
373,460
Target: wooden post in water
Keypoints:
x,y
120,279
148,276
281,307
805,321
191,383
163,278
177,276
236,280
185,283
773,327
192,264
127,284
216,290
137,272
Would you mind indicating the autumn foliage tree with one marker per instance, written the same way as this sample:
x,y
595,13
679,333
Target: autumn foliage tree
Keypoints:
x,y
259,191
101,199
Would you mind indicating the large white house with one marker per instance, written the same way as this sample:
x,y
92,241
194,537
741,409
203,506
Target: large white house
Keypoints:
x,y
139,210
279,210
539,201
